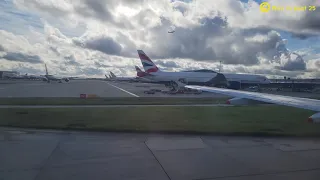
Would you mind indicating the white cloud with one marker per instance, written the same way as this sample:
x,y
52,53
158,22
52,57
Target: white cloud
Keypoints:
x,y
84,35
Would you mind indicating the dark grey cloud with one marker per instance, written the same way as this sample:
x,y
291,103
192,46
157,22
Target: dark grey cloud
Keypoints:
x,y
310,21
318,65
200,43
103,44
305,26
17,56
302,36
94,8
185,42
1,48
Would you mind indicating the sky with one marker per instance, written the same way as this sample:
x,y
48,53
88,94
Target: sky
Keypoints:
x,y
89,38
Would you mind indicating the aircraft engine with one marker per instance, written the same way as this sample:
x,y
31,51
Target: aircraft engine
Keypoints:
x,y
314,118
66,80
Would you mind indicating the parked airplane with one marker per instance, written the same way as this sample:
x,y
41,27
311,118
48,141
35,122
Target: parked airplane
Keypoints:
x,y
50,78
26,76
238,81
193,78
140,73
143,76
243,98
115,78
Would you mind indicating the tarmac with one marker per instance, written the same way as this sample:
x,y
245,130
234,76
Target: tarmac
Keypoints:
x,y
113,106
76,87
28,154
28,88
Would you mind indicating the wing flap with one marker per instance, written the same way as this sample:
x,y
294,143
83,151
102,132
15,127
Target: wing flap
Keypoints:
x,y
304,103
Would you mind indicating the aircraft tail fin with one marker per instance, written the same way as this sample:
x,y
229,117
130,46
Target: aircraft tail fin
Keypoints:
x,y
147,64
45,65
112,75
140,73
138,69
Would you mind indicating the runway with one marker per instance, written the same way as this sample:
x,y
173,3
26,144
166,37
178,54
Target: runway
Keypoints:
x,y
112,106
76,87
99,88
44,154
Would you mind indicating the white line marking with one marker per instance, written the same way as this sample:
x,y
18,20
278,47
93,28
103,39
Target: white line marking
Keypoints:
x,y
123,90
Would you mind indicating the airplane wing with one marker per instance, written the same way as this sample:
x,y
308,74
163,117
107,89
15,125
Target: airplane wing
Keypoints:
x,y
304,103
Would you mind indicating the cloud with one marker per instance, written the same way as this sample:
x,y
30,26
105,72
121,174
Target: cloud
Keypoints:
x,y
1,48
98,64
71,60
296,22
206,32
16,56
292,62
105,44
89,71
167,64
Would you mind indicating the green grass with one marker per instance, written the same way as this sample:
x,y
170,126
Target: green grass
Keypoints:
x,y
241,120
110,101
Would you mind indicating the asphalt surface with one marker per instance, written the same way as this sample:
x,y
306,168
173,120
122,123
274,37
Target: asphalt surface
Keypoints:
x,y
111,106
76,87
39,154
27,88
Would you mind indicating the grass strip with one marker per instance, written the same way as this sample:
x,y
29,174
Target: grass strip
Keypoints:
x,y
238,120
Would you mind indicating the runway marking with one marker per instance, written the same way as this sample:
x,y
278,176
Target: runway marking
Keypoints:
x,y
123,90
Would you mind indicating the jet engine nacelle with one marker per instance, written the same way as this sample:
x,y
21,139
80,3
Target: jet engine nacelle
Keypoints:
x,y
243,101
314,118
66,80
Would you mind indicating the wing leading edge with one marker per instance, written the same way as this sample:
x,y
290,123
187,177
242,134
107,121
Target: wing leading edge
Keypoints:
x,y
304,103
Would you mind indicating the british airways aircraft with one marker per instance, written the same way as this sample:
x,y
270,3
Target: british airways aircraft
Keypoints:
x,y
191,78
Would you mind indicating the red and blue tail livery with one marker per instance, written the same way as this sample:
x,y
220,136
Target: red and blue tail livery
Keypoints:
x,y
147,64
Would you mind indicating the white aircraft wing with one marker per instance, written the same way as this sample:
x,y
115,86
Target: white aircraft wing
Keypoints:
x,y
304,103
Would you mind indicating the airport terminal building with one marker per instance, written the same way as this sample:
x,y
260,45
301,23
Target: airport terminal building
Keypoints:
x,y
4,74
